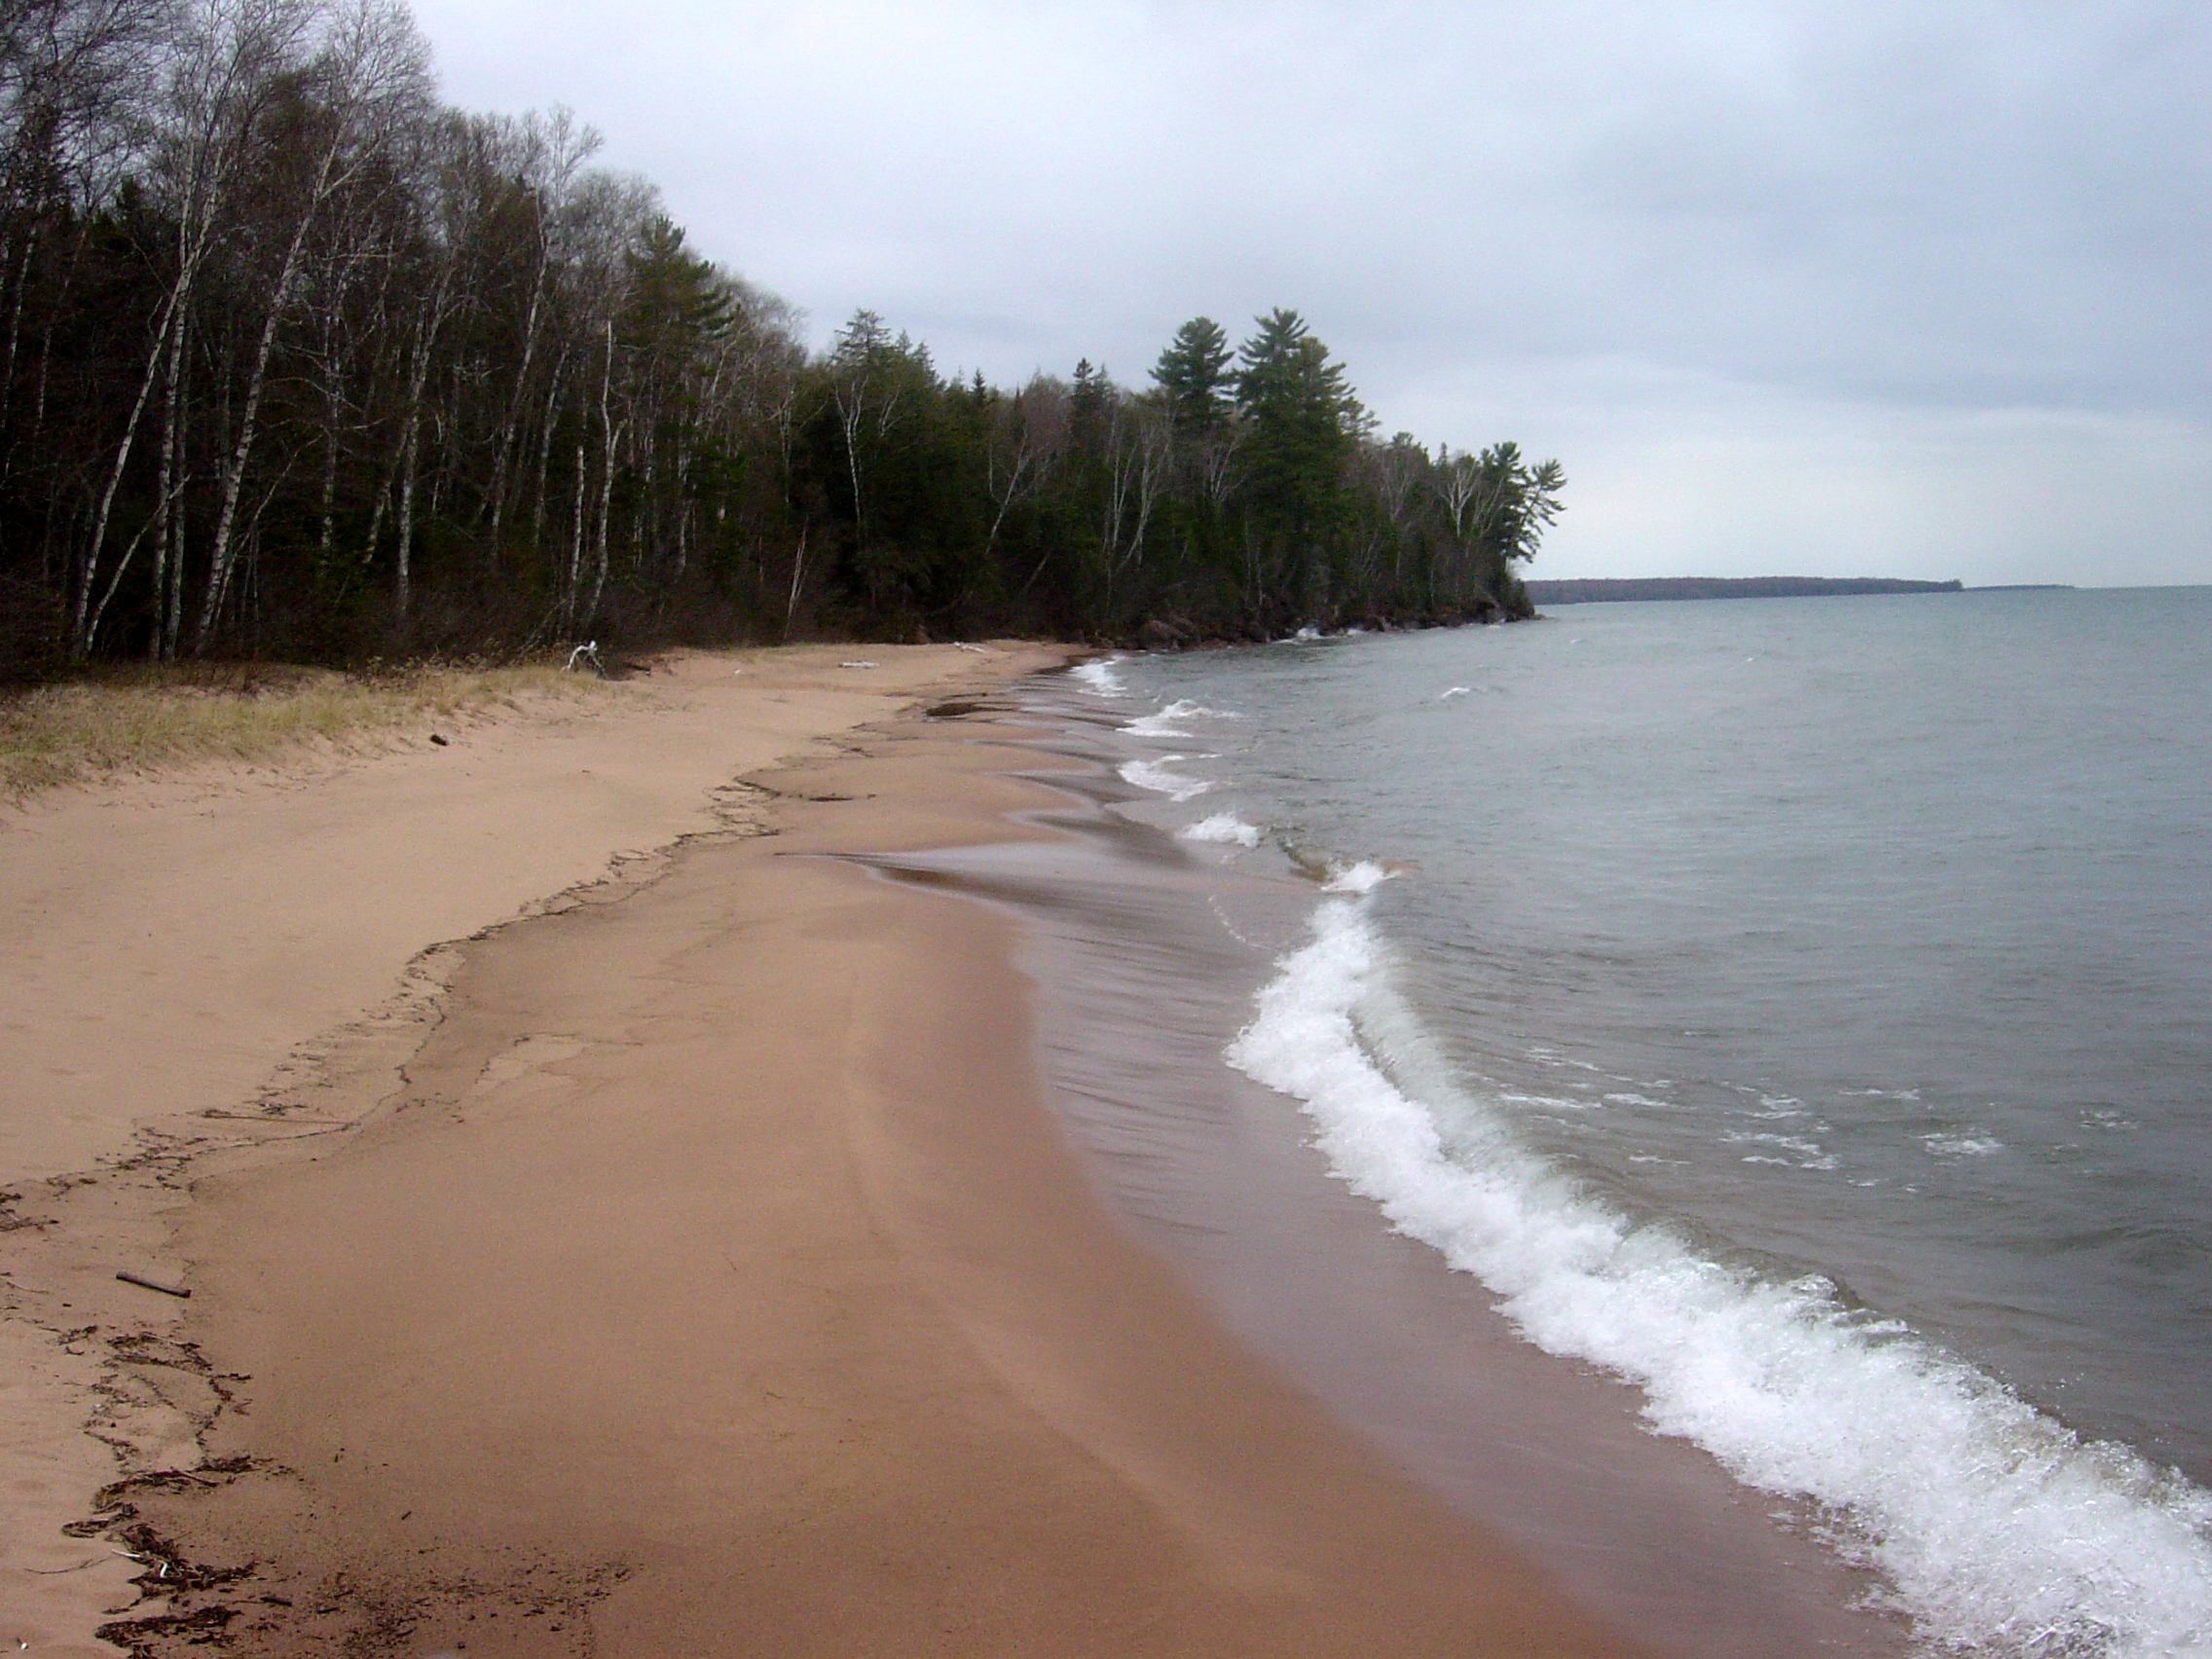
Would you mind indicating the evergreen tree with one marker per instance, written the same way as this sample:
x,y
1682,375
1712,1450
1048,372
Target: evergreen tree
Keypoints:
x,y
1301,422
1194,374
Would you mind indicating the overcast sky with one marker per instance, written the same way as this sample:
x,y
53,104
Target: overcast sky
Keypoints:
x,y
1892,287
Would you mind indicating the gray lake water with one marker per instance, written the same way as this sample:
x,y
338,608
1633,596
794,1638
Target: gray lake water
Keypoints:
x,y
1796,1009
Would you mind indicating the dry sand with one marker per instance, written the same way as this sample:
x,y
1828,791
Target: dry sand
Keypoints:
x,y
689,1268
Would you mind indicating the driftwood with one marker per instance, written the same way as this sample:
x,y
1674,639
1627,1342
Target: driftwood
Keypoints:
x,y
130,1277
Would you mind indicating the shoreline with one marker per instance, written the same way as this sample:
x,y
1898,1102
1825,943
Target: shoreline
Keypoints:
x,y
1149,951
802,1333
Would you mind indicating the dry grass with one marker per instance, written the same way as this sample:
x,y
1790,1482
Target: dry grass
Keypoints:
x,y
146,719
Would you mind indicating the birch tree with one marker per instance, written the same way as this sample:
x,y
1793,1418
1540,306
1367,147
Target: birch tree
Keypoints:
x,y
226,65
1023,443
368,85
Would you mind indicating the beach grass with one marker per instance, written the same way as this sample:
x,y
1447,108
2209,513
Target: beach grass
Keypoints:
x,y
148,717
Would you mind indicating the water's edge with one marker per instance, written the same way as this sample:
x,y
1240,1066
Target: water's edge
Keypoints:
x,y
1148,953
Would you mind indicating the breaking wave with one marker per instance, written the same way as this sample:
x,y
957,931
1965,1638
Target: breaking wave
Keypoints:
x,y
1995,1529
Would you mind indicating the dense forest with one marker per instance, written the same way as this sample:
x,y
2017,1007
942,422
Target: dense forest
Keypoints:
x,y
296,360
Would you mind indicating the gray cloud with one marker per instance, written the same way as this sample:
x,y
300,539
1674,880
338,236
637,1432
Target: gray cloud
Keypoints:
x,y
1888,288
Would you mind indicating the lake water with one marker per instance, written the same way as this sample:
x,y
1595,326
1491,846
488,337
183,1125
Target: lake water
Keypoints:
x,y
1791,1014
1796,1010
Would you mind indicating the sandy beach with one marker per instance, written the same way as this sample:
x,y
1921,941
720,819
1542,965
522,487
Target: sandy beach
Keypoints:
x,y
619,1224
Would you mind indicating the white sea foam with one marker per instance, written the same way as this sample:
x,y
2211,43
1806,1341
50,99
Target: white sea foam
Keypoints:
x,y
1224,827
1098,673
1514,1097
1783,1108
1446,695
1809,1154
1154,775
1995,1529
1362,876
1168,722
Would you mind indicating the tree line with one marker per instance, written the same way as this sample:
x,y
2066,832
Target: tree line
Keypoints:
x,y
296,359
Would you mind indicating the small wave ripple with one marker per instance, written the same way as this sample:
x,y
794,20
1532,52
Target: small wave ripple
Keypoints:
x,y
1223,829
1155,776
1098,675
1168,721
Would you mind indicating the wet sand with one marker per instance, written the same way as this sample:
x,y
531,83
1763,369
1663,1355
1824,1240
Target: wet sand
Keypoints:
x,y
704,1275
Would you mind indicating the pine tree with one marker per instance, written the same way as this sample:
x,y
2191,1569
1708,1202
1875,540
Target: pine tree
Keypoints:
x,y
1194,374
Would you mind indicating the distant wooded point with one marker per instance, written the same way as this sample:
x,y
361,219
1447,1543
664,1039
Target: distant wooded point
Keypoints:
x,y
1592,589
